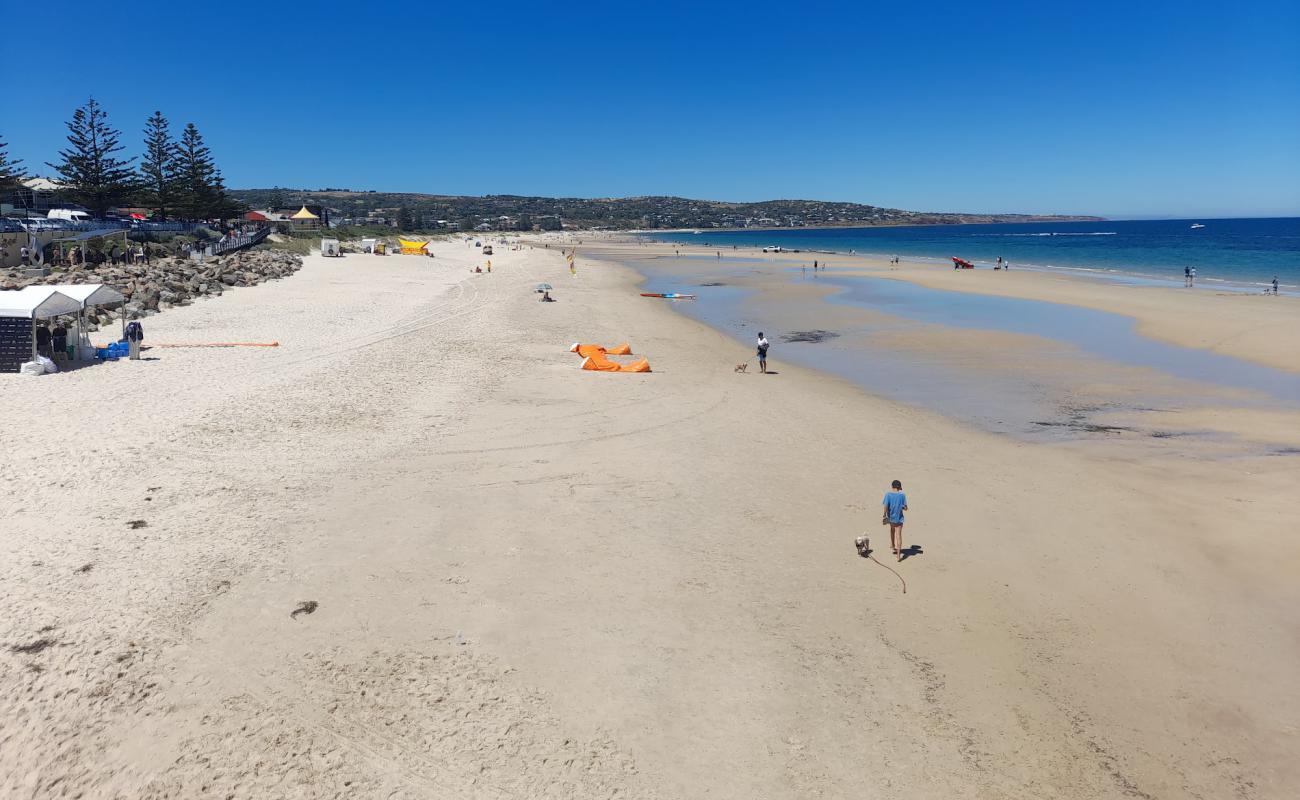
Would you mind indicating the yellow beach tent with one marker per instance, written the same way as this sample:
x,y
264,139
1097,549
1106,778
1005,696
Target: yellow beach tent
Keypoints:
x,y
410,248
303,213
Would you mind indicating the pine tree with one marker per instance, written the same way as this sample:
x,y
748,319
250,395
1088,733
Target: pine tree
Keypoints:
x,y
224,206
11,175
94,176
200,191
158,169
196,175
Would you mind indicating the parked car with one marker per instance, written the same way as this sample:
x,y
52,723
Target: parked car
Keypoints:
x,y
68,214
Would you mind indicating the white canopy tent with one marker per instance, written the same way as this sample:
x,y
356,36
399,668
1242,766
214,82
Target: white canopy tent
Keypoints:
x,y
90,294
37,302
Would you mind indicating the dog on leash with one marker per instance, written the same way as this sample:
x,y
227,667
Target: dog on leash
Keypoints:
x,y
863,545
742,367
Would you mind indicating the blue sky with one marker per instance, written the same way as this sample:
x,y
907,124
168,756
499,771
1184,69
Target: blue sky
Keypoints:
x,y
1119,109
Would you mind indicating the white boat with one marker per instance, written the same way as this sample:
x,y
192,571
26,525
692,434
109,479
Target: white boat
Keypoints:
x,y
1196,225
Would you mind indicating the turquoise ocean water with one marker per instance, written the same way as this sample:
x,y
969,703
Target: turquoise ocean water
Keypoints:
x,y
1243,254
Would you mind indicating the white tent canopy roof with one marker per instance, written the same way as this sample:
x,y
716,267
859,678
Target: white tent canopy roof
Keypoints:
x,y
89,294
37,302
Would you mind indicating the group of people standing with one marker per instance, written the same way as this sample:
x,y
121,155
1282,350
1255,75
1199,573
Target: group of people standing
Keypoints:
x,y
53,344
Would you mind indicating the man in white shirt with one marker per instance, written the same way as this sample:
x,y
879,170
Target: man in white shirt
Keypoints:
x,y
762,345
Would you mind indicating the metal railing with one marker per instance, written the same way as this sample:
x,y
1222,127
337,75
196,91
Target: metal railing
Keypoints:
x,y
230,244
34,224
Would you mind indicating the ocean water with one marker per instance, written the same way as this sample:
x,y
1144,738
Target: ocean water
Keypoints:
x,y
1096,352
1230,253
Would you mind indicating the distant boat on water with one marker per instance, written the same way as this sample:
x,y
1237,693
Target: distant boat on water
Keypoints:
x,y
1196,225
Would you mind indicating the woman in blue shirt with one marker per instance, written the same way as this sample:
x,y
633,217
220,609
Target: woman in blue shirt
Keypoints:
x,y
895,503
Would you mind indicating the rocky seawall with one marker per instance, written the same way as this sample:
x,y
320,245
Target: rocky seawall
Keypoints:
x,y
166,282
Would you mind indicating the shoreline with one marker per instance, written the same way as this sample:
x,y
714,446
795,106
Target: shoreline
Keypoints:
x,y
532,578
1116,273
1251,327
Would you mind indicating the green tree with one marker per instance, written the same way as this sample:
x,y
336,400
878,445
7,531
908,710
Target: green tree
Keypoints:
x,y
94,176
158,169
405,219
11,175
276,200
200,189
224,206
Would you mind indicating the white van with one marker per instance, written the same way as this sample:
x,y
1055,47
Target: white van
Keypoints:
x,y
69,214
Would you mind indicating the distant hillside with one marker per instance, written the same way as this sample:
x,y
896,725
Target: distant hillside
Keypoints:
x,y
512,212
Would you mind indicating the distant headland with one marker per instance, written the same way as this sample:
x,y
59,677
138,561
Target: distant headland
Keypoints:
x,y
516,212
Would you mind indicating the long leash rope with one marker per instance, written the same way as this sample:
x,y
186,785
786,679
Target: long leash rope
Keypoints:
x,y
891,569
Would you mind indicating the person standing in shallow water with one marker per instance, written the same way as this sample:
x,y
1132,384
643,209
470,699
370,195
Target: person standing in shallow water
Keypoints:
x,y
762,345
894,504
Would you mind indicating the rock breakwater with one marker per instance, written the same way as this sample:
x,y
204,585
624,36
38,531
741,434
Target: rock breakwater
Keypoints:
x,y
166,282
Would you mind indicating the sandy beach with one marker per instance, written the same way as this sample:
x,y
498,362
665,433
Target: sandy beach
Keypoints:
x,y
527,580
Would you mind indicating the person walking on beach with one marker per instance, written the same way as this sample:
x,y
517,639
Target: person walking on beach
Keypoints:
x,y
894,504
1187,275
1191,277
1274,285
762,345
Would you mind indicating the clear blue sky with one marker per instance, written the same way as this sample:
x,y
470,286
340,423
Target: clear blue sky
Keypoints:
x,y
1145,109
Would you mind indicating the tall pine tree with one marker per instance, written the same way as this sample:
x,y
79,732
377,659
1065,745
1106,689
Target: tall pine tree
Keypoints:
x,y
158,168
195,172
94,176
200,190
11,175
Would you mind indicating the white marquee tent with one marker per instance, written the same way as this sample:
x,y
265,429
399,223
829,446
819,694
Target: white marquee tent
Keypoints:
x,y
90,294
37,302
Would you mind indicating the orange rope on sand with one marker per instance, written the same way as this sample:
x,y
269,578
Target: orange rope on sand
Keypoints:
x,y
221,344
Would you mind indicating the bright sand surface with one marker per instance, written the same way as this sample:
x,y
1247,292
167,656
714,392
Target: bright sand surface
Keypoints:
x,y
535,581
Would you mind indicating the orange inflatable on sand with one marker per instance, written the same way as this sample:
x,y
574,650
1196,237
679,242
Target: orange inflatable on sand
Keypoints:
x,y
586,350
602,364
595,358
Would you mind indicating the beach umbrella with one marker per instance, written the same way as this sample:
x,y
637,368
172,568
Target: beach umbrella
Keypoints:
x,y
545,287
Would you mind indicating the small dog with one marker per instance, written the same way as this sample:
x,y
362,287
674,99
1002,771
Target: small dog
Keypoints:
x,y
742,367
863,545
